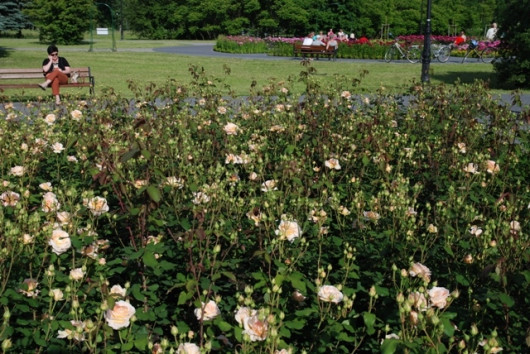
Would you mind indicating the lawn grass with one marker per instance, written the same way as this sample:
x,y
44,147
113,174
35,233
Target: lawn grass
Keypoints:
x,y
135,61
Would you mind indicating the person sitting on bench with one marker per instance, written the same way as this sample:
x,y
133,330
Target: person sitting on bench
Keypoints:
x,y
56,69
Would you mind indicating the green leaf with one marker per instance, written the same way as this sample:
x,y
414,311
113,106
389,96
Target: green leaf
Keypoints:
x,y
449,330
506,300
295,324
224,326
297,281
137,292
150,260
154,193
369,321
389,346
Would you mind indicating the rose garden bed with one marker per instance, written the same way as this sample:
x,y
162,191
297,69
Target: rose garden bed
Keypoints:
x,y
327,223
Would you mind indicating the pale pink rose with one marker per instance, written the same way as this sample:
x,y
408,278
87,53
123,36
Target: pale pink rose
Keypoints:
x,y
231,129
371,215
207,311
200,198
413,317
175,182
418,301
27,239
50,118
419,270
471,168
57,148
255,328
57,294
269,185
117,290
492,167
188,348
50,202
221,110
77,274
244,312
76,114
64,217
475,230
255,215
233,159
289,230
71,158
345,94
46,186
139,183
120,315
438,296
332,164
515,227
9,198
329,293
60,241
30,288
98,205
17,171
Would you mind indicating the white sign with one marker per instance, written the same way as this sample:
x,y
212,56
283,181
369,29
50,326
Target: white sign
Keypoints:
x,y
102,31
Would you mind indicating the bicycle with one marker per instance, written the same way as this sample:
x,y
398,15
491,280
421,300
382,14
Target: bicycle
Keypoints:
x,y
487,55
396,51
442,52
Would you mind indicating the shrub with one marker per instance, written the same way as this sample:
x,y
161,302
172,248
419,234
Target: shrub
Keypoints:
x,y
323,223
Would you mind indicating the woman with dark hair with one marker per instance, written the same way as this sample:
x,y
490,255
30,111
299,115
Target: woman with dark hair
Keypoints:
x,y
56,69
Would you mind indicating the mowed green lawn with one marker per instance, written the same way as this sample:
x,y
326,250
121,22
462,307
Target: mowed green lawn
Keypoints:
x,y
135,61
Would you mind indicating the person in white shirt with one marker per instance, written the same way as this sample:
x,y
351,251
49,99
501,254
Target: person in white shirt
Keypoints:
x,y
308,40
492,32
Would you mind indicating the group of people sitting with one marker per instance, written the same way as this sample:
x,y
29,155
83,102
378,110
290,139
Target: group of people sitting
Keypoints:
x,y
329,40
491,35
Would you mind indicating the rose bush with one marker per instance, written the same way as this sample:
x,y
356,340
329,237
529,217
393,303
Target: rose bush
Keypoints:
x,y
333,222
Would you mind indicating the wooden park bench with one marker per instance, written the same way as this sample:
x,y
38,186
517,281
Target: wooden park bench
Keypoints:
x,y
29,78
314,51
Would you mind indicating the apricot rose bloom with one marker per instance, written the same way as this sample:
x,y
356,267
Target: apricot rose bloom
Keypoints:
x,y
207,311
120,315
421,271
231,129
329,293
60,241
289,230
98,205
188,348
50,202
255,328
438,296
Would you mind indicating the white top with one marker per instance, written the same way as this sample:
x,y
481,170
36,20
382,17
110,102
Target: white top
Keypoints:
x,y
490,35
307,41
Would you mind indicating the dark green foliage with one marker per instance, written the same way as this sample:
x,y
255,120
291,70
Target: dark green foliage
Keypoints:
x,y
11,17
514,68
158,19
61,21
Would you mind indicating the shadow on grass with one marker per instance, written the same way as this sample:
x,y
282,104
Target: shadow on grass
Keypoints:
x,y
4,52
466,77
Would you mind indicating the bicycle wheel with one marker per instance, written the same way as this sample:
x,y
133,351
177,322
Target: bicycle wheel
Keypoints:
x,y
488,54
414,54
391,54
444,53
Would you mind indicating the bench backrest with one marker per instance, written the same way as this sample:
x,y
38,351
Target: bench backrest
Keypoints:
x,y
35,73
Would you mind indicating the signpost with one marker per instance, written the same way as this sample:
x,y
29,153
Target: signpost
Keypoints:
x,y
101,30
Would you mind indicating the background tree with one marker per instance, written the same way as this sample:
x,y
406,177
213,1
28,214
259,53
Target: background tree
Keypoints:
x,y
61,21
11,16
206,19
514,68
